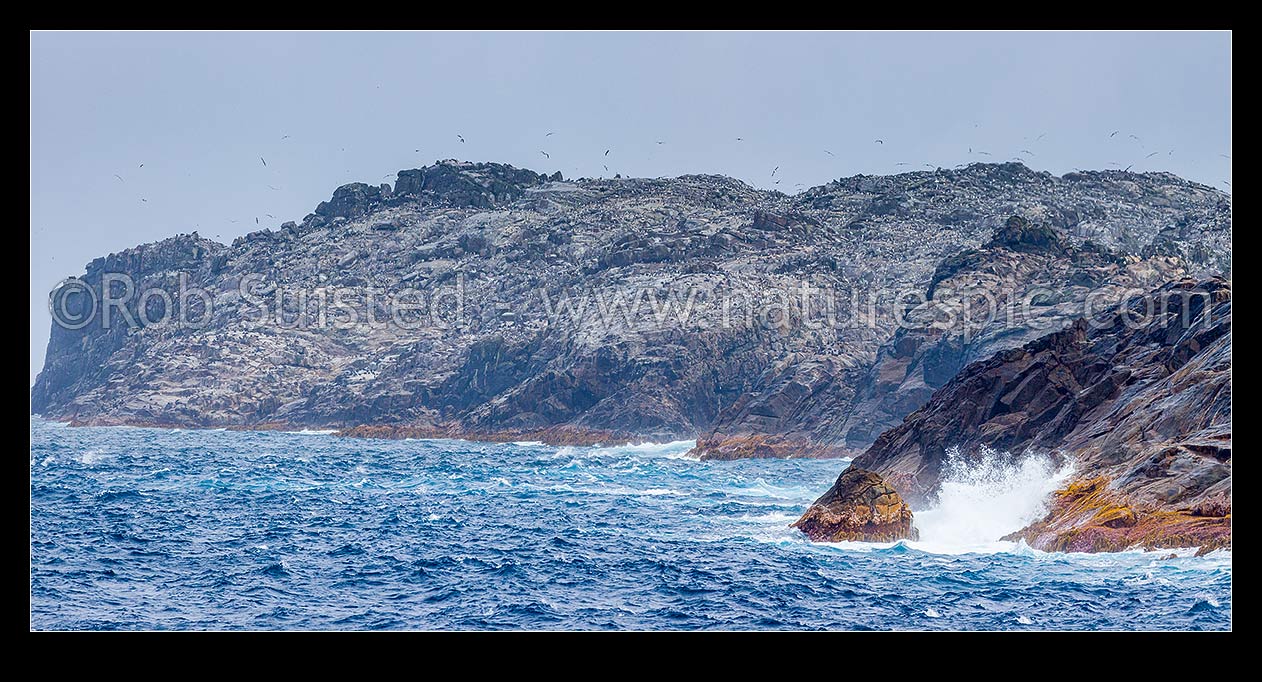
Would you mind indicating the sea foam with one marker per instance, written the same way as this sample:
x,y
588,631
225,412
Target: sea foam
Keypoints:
x,y
984,498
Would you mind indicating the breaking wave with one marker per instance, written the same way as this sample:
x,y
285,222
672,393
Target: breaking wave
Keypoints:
x,y
266,530
983,498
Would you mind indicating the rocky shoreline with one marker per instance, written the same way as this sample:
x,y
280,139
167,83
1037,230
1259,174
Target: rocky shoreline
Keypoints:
x,y
577,312
1139,400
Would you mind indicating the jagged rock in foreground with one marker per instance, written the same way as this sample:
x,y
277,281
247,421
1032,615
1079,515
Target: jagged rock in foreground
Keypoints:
x,y
859,507
682,322
1139,401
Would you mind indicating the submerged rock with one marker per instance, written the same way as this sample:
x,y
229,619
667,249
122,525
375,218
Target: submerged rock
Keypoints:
x,y
860,506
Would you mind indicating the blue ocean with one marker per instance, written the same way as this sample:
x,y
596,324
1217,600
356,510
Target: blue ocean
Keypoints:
x,y
157,529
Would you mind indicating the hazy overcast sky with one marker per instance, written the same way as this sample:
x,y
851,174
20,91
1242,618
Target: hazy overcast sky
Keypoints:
x,y
324,109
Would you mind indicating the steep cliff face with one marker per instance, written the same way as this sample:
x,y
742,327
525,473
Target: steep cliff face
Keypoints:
x,y
1026,281
1138,399
595,309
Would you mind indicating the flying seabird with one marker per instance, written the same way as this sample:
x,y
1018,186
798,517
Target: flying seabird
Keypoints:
x,y
544,153
269,215
773,171
1026,151
829,153
460,138
548,135
1222,155
1114,133
879,141
120,178
1152,155
263,160
606,152
902,163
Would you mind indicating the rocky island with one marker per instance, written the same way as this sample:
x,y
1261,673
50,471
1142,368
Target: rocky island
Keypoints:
x,y
886,318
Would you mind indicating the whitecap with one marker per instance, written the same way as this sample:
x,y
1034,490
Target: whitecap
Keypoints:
x,y
93,457
673,449
663,491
